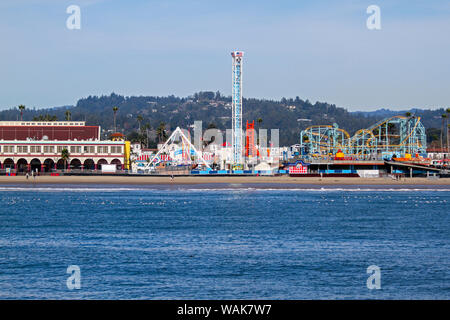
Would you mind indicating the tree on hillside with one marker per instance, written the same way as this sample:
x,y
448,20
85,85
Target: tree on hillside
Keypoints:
x,y
46,117
139,137
182,112
205,95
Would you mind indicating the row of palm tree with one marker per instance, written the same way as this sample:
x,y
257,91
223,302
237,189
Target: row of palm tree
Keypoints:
x,y
44,117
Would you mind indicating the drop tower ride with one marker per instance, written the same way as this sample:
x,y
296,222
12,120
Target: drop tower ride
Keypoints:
x,y
236,95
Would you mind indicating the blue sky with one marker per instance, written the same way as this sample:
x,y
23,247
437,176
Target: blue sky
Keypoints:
x,y
318,50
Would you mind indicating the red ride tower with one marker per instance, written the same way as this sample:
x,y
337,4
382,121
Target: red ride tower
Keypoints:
x,y
250,149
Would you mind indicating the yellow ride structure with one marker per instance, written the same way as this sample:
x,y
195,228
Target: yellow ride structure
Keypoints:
x,y
395,136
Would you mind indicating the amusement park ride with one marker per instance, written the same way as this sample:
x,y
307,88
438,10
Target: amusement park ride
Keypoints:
x,y
391,137
400,139
250,148
190,154
236,96
187,154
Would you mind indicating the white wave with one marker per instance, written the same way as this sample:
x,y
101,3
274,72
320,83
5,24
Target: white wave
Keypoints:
x,y
55,189
323,189
178,188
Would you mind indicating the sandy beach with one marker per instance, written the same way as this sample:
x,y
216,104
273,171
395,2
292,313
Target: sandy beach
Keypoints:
x,y
192,180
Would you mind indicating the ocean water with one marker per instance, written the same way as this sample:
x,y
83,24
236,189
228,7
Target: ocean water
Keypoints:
x,y
227,242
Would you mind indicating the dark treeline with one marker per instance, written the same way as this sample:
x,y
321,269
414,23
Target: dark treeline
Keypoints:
x,y
160,115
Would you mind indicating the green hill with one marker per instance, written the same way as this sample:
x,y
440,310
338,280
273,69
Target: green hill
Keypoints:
x,y
289,115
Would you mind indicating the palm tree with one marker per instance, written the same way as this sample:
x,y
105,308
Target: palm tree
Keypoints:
x,y
21,108
65,156
139,120
448,112
161,132
68,115
146,128
115,111
444,118
408,114
259,122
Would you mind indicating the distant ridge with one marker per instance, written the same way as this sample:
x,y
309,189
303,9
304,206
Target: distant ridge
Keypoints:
x,y
389,113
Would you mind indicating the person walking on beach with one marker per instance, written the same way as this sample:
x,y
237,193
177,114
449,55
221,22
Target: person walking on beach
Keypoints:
x,y
27,175
171,177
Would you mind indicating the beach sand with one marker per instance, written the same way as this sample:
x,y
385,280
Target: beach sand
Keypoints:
x,y
192,180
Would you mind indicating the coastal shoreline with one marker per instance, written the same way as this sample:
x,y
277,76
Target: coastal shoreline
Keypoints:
x,y
231,180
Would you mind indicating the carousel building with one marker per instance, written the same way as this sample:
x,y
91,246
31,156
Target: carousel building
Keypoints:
x,y
38,145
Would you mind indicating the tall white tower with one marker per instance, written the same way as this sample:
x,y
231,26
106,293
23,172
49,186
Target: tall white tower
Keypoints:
x,y
237,109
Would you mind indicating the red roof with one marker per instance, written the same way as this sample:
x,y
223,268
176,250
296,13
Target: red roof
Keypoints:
x,y
52,132
117,134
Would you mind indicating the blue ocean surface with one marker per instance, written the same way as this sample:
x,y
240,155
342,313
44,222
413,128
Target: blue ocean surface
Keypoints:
x,y
227,242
